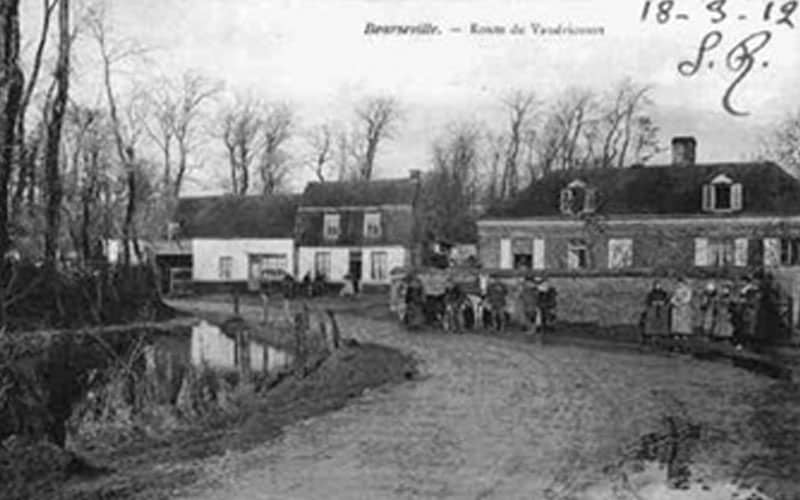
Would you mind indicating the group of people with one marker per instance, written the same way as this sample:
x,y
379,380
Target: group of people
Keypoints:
x,y
720,312
456,309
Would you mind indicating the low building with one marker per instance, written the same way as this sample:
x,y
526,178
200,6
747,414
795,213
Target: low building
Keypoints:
x,y
683,218
360,229
233,239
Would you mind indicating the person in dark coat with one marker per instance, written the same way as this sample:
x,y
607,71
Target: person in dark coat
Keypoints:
x,y
749,304
547,303
531,306
454,299
496,293
415,301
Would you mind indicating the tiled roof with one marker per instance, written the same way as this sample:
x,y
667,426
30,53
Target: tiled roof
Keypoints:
x,y
360,193
665,189
231,216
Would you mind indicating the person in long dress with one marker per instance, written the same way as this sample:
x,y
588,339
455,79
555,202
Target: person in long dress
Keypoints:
x,y
750,303
723,327
709,308
681,302
656,317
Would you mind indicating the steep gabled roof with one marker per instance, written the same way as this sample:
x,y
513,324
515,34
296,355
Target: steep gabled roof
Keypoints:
x,y
360,193
660,190
231,216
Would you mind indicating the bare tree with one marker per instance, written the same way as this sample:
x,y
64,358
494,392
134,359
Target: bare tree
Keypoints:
x,y
566,139
54,125
624,117
276,129
782,143
124,131
173,110
492,165
377,119
322,148
519,106
239,127
27,149
450,189
11,87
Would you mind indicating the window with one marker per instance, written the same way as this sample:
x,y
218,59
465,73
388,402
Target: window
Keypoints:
x,y
721,252
577,255
225,267
271,261
267,262
620,253
790,252
331,227
578,198
322,264
379,263
722,195
372,225
522,255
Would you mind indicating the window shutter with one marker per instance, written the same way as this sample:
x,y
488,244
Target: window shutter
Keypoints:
x,y
538,253
740,252
772,252
701,252
590,202
736,196
566,201
505,254
708,195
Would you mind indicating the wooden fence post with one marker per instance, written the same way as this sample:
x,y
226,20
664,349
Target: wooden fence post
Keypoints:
x,y
337,336
265,307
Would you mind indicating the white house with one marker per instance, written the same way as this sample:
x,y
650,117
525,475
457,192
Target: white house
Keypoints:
x,y
234,238
360,229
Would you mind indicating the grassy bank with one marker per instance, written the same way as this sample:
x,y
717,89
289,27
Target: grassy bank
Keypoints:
x,y
142,465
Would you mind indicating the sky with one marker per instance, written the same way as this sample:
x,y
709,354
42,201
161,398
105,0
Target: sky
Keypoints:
x,y
316,56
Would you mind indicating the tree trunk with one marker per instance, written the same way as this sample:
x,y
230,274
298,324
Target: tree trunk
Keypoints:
x,y
53,147
11,83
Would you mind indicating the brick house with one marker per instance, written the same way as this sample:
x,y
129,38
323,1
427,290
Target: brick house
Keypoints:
x,y
357,228
681,218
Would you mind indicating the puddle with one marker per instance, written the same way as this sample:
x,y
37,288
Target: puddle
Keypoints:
x,y
212,347
661,467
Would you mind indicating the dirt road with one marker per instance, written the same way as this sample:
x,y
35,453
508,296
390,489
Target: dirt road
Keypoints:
x,y
492,418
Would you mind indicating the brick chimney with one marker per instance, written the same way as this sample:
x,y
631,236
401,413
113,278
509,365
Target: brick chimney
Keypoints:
x,y
683,151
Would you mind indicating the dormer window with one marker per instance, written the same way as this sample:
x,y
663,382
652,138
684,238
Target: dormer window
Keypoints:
x,y
722,194
372,224
331,226
578,198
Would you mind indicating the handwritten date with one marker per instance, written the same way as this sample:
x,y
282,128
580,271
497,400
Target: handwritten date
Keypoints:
x,y
780,12
740,59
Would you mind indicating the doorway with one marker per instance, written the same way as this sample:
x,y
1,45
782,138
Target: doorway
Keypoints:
x,y
354,269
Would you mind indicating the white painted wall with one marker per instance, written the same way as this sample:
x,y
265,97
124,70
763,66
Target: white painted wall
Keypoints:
x,y
340,261
396,257
206,254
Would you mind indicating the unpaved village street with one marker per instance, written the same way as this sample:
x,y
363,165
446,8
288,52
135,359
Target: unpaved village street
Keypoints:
x,y
495,418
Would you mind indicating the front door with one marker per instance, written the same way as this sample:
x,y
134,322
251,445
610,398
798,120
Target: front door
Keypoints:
x,y
354,269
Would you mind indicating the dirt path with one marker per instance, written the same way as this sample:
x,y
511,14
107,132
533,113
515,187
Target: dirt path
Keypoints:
x,y
496,419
